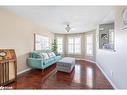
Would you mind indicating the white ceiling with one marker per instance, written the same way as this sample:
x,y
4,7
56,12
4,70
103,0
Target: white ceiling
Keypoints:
x,y
55,18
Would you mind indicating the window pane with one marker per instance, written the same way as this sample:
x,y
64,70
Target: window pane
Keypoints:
x,y
74,45
59,40
77,48
44,42
59,44
70,48
41,42
89,39
60,49
38,46
70,45
77,45
77,40
89,50
89,45
70,40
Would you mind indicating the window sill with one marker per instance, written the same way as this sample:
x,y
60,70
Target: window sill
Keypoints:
x,y
75,53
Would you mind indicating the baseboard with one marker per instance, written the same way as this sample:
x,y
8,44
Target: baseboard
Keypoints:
x,y
90,61
113,85
86,60
23,71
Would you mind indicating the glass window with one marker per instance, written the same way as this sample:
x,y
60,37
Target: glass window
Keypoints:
x,y
41,42
59,44
74,45
77,45
89,45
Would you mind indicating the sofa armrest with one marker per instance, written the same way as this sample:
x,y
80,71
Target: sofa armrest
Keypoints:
x,y
36,62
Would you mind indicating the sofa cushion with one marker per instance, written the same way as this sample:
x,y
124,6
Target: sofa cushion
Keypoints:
x,y
33,55
58,57
40,55
46,61
51,54
45,55
52,59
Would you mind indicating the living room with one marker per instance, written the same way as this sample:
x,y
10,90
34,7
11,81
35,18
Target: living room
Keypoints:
x,y
79,33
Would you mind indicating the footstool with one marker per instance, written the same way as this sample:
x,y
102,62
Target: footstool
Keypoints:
x,y
66,64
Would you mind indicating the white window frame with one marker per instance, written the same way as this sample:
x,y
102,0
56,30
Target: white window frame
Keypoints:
x,y
59,44
88,45
41,42
74,45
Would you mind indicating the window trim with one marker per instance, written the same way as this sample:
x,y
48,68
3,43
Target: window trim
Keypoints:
x,y
73,45
35,41
86,53
60,44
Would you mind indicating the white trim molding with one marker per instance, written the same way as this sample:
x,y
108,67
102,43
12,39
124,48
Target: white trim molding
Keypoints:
x,y
106,76
86,60
90,61
23,71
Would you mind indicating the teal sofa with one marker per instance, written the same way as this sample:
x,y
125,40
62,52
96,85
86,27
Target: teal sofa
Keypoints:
x,y
41,63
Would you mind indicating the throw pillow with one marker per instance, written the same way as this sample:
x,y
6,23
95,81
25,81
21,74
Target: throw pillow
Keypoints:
x,y
50,54
39,55
45,55
53,54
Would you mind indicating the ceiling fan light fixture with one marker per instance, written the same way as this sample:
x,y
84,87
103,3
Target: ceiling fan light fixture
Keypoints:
x,y
68,28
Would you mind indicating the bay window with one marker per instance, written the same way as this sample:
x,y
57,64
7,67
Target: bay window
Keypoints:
x,y
74,45
89,45
59,44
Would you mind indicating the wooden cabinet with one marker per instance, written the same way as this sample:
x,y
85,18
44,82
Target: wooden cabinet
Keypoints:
x,y
8,66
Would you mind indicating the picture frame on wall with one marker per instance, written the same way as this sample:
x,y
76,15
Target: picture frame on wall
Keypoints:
x,y
124,18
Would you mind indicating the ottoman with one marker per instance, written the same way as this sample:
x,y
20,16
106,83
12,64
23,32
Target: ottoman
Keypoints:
x,y
66,64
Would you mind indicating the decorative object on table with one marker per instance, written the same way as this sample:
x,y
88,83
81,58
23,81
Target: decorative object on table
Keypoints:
x,y
8,66
54,47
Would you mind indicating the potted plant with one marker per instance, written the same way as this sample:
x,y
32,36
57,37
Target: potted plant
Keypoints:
x,y
54,46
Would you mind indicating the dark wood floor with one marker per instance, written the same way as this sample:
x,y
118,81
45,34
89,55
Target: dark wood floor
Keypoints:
x,y
85,75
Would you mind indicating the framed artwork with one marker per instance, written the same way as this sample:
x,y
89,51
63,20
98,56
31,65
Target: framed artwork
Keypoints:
x,y
124,17
106,36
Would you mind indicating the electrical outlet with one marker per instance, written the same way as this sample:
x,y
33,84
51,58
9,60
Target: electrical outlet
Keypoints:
x,y
111,73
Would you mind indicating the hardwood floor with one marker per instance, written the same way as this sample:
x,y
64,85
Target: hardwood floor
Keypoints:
x,y
85,75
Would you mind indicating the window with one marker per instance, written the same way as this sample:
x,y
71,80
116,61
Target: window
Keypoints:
x,y
74,45
77,45
89,45
70,45
59,44
41,42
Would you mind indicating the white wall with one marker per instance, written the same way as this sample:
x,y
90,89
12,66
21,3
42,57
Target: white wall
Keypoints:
x,y
17,33
116,61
